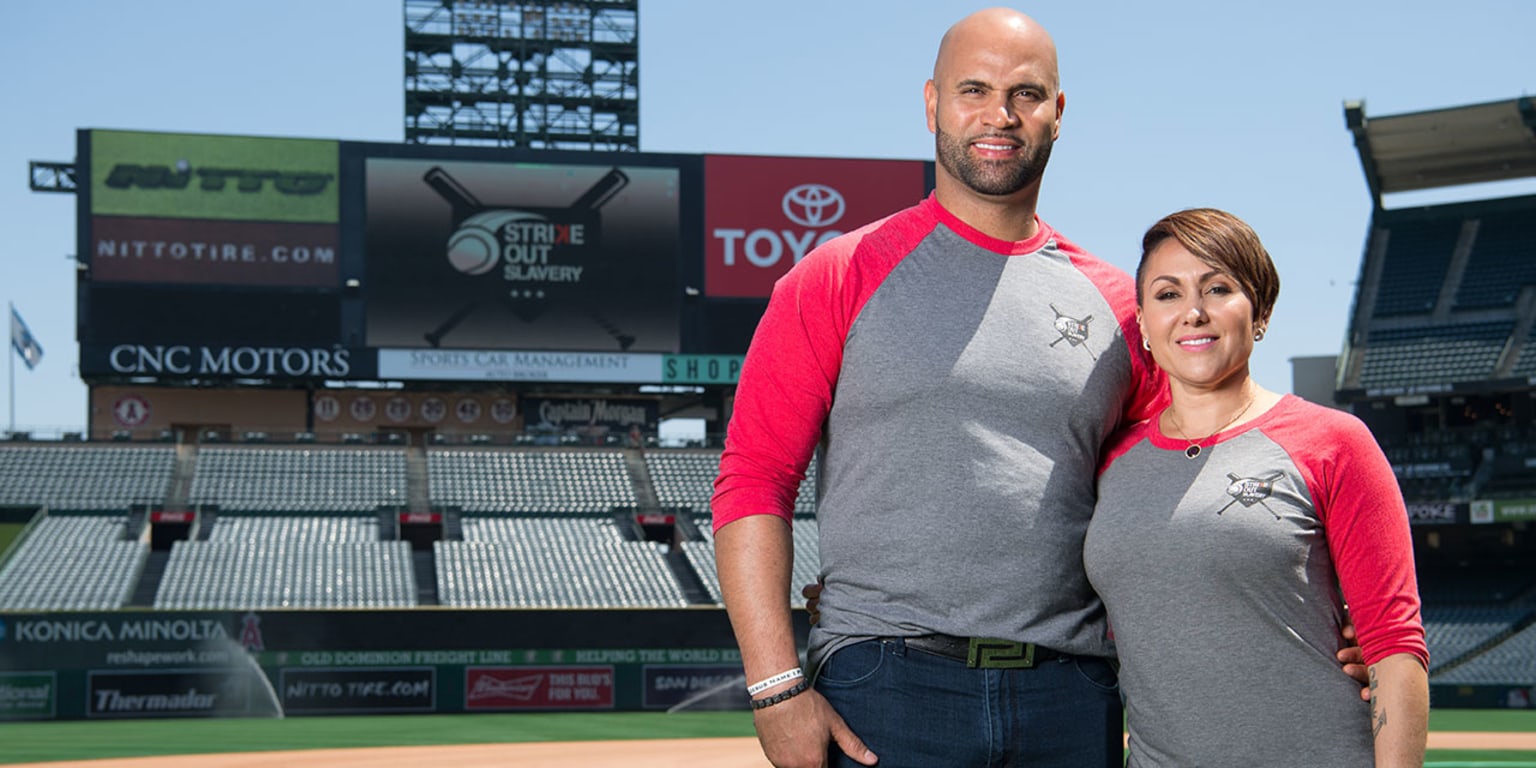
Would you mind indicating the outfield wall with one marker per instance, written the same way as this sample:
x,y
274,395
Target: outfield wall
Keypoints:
x,y
136,664
131,664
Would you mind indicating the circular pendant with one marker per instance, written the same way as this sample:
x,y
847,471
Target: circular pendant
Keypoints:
x,y
1192,451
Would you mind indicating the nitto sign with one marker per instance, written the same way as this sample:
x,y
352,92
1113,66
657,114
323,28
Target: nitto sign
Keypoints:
x,y
764,214
333,691
245,180
178,176
295,362
245,253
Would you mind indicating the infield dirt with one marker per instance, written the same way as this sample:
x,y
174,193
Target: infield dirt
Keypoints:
x,y
658,753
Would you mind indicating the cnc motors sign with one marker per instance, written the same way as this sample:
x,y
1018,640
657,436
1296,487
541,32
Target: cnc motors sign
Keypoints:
x,y
181,360
762,215
191,176
475,255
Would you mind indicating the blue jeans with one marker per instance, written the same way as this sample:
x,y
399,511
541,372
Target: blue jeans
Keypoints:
x,y
917,709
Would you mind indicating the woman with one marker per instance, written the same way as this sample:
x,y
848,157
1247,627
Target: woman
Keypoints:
x,y
1227,527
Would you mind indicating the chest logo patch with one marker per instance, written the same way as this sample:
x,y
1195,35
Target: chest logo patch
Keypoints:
x,y
1249,491
1072,330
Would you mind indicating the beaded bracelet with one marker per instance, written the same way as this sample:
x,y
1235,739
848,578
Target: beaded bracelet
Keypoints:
x,y
782,677
782,696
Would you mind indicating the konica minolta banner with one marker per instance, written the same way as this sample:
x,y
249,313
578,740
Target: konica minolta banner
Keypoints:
x,y
491,255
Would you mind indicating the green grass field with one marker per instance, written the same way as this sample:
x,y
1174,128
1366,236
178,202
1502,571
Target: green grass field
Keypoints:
x,y
8,534
80,740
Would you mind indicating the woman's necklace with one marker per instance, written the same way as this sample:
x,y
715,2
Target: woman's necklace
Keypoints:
x,y
1193,451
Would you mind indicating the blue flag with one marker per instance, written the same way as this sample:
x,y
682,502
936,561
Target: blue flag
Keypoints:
x,y
24,342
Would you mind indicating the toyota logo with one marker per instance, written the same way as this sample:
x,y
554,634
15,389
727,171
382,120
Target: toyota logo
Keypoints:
x,y
813,205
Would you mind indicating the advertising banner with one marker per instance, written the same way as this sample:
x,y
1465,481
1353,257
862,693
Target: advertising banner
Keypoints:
x,y
1435,513
166,693
519,365
1503,510
504,688
28,695
607,413
202,361
721,686
763,214
142,250
357,691
194,176
484,255
701,369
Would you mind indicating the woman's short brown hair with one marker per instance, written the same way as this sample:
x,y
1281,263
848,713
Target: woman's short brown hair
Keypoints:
x,y
1223,241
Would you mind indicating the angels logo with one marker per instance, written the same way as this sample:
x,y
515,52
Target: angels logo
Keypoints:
x,y
1072,330
542,252
1249,491
250,633
131,411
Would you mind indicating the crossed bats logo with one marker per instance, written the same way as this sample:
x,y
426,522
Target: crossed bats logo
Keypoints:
x,y
1249,491
1072,330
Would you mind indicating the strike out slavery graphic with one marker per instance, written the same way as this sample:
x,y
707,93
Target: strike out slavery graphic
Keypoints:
x,y
511,256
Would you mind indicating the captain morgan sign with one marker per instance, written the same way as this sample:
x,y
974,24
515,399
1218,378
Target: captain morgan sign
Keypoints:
x,y
763,214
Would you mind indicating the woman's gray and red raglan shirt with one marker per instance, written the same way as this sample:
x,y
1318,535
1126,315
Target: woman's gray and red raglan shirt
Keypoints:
x,y
961,388
1223,577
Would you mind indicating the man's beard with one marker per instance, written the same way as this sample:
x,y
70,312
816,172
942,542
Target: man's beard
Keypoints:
x,y
992,177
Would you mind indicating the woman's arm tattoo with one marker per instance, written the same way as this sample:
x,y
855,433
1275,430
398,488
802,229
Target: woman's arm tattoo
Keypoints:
x,y
1378,715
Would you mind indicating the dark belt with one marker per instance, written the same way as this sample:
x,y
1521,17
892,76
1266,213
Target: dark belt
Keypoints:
x,y
983,652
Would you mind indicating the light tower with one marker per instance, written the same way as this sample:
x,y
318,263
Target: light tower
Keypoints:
x,y
523,73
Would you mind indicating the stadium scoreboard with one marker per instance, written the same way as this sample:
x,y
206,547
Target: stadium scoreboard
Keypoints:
x,y
261,260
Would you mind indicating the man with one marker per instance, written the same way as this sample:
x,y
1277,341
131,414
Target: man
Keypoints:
x,y
961,364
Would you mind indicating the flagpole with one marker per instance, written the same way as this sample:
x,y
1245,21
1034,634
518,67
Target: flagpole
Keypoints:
x,y
10,365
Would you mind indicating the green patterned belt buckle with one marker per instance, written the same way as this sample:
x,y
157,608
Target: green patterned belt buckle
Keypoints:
x,y
992,653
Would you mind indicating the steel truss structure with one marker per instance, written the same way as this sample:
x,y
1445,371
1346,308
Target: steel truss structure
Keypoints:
x,y
523,73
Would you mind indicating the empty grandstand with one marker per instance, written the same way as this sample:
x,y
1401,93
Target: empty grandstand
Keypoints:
x,y
553,562
84,477
530,480
71,563
1439,362
289,562
313,479
323,527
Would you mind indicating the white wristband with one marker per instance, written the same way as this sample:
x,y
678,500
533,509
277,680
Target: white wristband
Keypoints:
x,y
782,677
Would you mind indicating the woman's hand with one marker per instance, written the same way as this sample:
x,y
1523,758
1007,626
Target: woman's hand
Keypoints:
x,y
812,594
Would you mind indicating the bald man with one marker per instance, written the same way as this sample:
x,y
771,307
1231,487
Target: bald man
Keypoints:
x,y
960,365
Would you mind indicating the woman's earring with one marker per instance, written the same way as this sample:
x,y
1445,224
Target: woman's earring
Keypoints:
x,y
1258,335
1147,345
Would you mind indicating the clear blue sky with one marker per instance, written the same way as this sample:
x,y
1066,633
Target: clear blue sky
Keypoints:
x,y
1169,105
